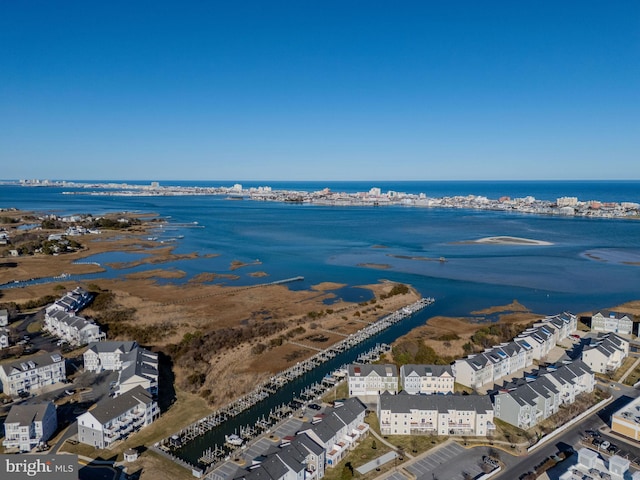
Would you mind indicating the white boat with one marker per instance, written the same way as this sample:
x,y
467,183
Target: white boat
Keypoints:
x,y
234,440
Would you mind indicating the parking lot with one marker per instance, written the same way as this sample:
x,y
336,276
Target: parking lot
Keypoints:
x,y
607,445
451,462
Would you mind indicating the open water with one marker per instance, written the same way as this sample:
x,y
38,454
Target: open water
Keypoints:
x,y
591,264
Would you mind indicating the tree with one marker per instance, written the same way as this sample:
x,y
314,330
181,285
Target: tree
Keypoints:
x,y
374,445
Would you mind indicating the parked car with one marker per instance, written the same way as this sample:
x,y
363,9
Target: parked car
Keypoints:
x,y
612,449
604,445
314,406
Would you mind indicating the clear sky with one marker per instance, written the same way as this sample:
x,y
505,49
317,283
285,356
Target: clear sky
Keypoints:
x,y
320,90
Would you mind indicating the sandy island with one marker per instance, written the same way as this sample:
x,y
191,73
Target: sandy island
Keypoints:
x,y
504,240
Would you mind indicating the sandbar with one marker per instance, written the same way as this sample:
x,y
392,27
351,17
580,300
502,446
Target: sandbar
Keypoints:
x,y
506,240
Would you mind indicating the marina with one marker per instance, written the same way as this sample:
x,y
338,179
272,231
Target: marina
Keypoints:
x,y
207,441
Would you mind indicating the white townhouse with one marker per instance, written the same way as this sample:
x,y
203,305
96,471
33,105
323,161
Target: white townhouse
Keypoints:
x,y
338,429
405,414
72,328
527,402
31,374
29,426
136,365
4,338
368,381
473,371
571,379
482,369
72,301
4,318
605,353
541,338
565,324
615,322
116,418
427,379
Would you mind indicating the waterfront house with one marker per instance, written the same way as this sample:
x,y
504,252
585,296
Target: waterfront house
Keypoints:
x,y
405,414
615,322
541,338
30,375
137,366
605,353
368,381
427,379
29,426
116,418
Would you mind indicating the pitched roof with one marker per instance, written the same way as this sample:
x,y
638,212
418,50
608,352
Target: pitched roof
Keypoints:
x,y
25,415
111,408
25,365
364,370
405,403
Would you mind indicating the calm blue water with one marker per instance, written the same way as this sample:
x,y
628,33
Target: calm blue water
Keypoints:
x,y
587,267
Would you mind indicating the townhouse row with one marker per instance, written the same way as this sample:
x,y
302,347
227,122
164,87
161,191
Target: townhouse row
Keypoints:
x,y
484,369
61,319
528,401
523,403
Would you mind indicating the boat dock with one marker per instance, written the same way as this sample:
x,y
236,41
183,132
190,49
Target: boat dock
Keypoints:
x,y
269,387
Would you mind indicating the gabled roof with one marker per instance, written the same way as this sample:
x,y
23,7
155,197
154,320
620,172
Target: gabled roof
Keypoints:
x,y
426,370
442,403
113,346
25,415
32,363
360,370
111,408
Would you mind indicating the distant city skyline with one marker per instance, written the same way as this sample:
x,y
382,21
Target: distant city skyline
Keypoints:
x,y
327,91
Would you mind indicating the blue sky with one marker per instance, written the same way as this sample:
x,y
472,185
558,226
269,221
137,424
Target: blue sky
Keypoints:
x,y
330,90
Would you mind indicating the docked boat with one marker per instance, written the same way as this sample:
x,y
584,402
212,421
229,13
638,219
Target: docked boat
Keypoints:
x,y
233,440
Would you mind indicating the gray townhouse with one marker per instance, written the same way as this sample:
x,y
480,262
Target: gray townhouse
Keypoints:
x,y
527,401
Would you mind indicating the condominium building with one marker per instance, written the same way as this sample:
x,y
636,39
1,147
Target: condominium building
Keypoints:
x,y
427,379
137,366
405,414
30,375
615,322
116,418
29,426
606,353
368,381
528,401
